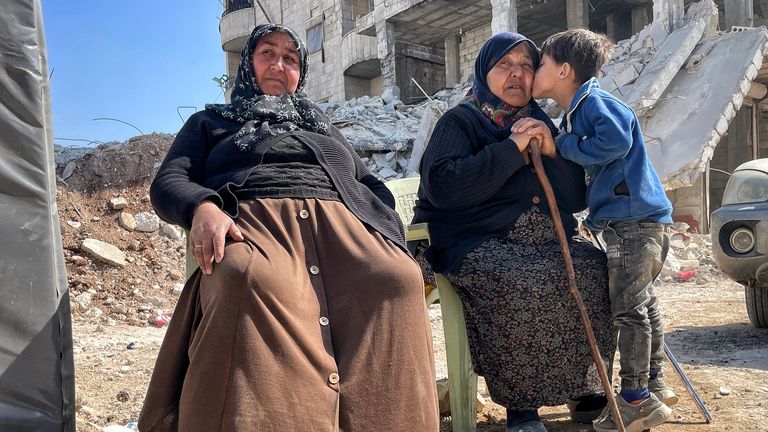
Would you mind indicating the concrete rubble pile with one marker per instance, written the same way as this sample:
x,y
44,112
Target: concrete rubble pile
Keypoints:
x,y
686,81
689,258
387,133
140,306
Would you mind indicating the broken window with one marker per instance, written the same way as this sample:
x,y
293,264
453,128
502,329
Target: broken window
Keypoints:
x,y
315,36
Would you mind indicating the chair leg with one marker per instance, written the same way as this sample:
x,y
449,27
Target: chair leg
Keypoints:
x,y
190,263
462,380
433,296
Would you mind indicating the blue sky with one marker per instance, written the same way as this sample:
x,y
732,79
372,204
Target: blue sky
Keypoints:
x,y
134,60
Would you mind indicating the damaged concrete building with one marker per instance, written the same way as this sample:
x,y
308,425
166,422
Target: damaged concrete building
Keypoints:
x,y
391,47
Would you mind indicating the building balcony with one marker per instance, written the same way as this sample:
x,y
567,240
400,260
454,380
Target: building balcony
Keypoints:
x,y
356,51
236,5
236,26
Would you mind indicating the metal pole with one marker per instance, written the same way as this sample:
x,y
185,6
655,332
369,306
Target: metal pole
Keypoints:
x,y
555,213
688,386
264,11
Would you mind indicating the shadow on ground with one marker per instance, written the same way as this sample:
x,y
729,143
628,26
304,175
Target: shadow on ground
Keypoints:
x,y
728,345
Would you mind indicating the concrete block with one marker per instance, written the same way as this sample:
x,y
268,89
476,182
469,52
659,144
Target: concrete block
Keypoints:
x,y
705,10
694,113
664,66
626,74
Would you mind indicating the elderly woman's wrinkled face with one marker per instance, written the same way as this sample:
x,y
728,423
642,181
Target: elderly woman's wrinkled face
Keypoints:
x,y
276,64
511,78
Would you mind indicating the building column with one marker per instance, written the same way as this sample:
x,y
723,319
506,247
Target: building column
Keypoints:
x,y
385,39
503,16
640,18
610,27
452,60
577,13
738,13
670,14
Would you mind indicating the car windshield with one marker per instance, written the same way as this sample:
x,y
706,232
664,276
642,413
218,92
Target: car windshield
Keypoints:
x,y
746,186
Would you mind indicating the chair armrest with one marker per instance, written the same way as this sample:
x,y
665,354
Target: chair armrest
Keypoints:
x,y
418,231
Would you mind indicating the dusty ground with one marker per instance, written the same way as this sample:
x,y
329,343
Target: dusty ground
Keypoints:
x,y
707,329
116,344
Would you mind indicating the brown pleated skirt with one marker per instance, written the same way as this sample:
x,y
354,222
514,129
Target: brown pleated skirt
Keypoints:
x,y
315,322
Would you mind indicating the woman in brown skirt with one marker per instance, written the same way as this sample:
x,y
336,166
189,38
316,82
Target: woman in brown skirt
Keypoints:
x,y
307,313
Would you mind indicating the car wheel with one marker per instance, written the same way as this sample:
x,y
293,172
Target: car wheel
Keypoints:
x,y
757,304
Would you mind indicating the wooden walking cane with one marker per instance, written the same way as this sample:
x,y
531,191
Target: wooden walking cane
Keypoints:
x,y
533,147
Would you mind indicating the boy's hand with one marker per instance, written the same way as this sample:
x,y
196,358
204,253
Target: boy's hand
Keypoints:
x,y
532,127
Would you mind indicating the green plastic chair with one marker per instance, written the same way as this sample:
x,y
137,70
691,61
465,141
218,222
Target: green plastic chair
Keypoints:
x,y
462,380
190,265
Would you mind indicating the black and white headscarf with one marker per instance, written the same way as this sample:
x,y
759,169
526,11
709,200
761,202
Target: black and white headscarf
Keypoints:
x,y
264,116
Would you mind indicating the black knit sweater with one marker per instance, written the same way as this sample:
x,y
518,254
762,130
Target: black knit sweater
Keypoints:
x,y
204,163
475,185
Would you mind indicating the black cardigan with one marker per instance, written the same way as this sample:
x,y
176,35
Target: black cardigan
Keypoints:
x,y
204,163
474,185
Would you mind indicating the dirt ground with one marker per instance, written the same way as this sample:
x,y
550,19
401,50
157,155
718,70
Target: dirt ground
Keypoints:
x,y
707,329
115,341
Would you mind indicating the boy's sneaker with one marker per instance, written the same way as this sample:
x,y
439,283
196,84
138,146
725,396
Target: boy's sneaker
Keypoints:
x,y
662,392
636,417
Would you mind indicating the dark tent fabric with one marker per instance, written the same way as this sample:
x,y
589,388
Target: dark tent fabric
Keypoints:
x,y
37,386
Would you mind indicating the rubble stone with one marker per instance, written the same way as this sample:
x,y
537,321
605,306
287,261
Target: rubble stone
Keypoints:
x,y
69,170
126,221
147,222
83,300
173,232
175,274
104,252
118,203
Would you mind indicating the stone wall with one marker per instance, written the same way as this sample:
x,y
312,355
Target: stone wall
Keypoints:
x,y
430,76
471,41
356,87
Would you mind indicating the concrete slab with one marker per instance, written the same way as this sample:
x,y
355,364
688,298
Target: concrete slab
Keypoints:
x,y
664,65
706,10
693,113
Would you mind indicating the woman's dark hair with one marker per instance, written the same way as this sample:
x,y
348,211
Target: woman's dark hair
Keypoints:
x,y
586,51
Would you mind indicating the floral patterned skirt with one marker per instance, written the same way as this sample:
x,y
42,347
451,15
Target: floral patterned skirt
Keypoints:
x,y
525,334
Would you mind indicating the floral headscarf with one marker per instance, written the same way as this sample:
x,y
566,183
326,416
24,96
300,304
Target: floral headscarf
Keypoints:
x,y
498,115
264,116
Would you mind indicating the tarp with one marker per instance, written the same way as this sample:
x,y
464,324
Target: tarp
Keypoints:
x,y
37,386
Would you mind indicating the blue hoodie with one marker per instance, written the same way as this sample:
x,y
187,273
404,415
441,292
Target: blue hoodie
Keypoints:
x,y
602,134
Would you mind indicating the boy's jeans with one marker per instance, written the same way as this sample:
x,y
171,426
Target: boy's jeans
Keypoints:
x,y
636,252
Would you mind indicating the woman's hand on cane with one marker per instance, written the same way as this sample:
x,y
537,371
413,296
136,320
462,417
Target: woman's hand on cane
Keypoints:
x,y
533,127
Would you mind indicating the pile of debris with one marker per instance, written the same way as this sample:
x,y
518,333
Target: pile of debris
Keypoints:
x,y
689,258
123,263
390,136
686,80
112,164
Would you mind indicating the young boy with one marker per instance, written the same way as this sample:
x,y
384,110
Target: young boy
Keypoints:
x,y
627,208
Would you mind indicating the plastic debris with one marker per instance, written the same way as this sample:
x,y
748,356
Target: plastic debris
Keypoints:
x,y
685,276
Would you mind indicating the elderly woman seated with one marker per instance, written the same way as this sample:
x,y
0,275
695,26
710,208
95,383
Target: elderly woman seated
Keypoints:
x,y
493,237
307,313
